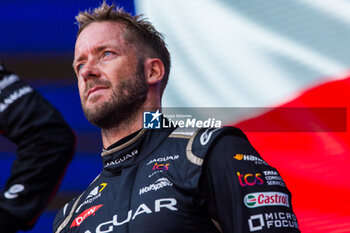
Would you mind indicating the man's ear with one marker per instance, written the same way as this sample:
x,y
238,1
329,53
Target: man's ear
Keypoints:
x,y
154,70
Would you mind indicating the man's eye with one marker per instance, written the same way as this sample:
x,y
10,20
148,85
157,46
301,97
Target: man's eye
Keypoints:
x,y
80,66
106,53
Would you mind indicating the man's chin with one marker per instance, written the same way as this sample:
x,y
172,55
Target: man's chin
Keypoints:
x,y
95,100
95,103
96,118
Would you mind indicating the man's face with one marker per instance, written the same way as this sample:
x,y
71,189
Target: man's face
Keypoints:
x,y
111,79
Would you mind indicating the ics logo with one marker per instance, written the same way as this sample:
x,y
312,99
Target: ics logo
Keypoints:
x,y
151,120
161,166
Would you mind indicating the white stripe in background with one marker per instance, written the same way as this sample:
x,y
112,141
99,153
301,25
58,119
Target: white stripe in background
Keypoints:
x,y
222,58
338,9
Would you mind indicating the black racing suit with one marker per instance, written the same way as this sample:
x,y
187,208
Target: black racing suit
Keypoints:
x,y
162,181
45,145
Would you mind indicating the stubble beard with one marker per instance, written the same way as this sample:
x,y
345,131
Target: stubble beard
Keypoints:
x,y
126,99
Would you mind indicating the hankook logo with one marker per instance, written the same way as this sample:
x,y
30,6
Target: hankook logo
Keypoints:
x,y
251,158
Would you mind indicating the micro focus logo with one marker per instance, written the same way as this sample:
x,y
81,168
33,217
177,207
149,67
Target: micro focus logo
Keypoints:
x,y
151,120
272,220
254,200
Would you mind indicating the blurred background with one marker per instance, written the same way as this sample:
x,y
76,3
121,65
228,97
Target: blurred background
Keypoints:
x,y
261,55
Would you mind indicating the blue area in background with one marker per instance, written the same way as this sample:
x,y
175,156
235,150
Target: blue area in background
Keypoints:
x,y
44,224
81,172
48,26
41,26
66,99
5,167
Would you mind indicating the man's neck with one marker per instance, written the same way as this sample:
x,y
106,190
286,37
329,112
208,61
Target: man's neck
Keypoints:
x,y
133,124
112,135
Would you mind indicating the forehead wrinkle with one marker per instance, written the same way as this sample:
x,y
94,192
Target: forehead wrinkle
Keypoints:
x,y
94,49
98,49
115,39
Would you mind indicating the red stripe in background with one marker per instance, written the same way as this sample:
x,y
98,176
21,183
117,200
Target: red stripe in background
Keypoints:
x,y
314,164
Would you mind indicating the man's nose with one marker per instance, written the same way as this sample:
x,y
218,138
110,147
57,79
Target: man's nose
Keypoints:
x,y
90,71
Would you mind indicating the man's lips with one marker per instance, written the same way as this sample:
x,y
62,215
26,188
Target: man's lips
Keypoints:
x,y
92,90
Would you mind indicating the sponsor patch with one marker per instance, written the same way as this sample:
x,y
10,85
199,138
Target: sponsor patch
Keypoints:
x,y
160,183
273,178
163,159
259,199
250,179
205,137
168,204
155,172
91,211
269,177
122,158
14,96
250,158
271,220
93,195
7,81
161,166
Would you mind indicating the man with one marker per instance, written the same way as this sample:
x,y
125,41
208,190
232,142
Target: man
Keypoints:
x,y
211,180
45,147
